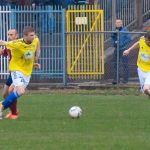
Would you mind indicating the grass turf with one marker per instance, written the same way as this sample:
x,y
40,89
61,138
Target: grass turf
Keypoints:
x,y
111,122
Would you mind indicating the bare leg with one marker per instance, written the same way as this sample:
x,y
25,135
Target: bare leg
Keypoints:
x,y
146,89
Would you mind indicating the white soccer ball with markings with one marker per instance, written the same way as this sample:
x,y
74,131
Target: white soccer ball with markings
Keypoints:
x,y
75,112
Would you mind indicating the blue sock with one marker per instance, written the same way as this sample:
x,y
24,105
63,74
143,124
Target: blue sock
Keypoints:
x,y
9,99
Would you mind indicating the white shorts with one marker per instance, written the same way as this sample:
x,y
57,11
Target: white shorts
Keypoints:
x,y
19,79
144,77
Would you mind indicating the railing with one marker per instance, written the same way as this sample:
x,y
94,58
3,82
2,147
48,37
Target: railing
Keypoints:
x,y
50,26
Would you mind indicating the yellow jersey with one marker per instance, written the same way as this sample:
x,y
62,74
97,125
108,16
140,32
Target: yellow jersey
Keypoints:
x,y
22,55
143,61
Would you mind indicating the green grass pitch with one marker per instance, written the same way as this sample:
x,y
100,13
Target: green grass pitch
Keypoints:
x,y
111,122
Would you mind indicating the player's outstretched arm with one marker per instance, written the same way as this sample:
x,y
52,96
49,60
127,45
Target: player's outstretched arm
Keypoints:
x,y
1,51
37,65
3,43
134,46
38,51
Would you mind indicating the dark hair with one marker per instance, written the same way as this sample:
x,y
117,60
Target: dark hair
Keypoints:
x,y
27,30
147,35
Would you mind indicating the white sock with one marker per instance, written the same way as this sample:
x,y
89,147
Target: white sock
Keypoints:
x,y
1,114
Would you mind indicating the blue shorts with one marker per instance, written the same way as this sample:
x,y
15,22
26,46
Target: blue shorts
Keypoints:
x,y
9,80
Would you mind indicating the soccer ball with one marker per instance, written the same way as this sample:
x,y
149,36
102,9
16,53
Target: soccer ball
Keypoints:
x,y
75,112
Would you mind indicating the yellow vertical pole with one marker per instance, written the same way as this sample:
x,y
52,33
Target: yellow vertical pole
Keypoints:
x,y
84,37
72,41
90,42
75,39
102,41
96,40
73,44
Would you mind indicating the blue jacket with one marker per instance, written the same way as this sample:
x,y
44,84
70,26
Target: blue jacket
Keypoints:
x,y
124,38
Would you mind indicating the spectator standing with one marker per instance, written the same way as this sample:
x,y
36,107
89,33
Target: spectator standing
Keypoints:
x,y
120,39
46,19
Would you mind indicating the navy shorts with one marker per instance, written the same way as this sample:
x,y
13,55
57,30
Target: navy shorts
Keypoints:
x,y
9,80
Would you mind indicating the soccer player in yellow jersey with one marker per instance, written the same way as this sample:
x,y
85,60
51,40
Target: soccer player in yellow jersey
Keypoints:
x,y
13,35
143,61
21,64
13,114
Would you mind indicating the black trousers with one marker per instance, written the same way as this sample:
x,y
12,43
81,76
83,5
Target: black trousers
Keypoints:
x,y
123,61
